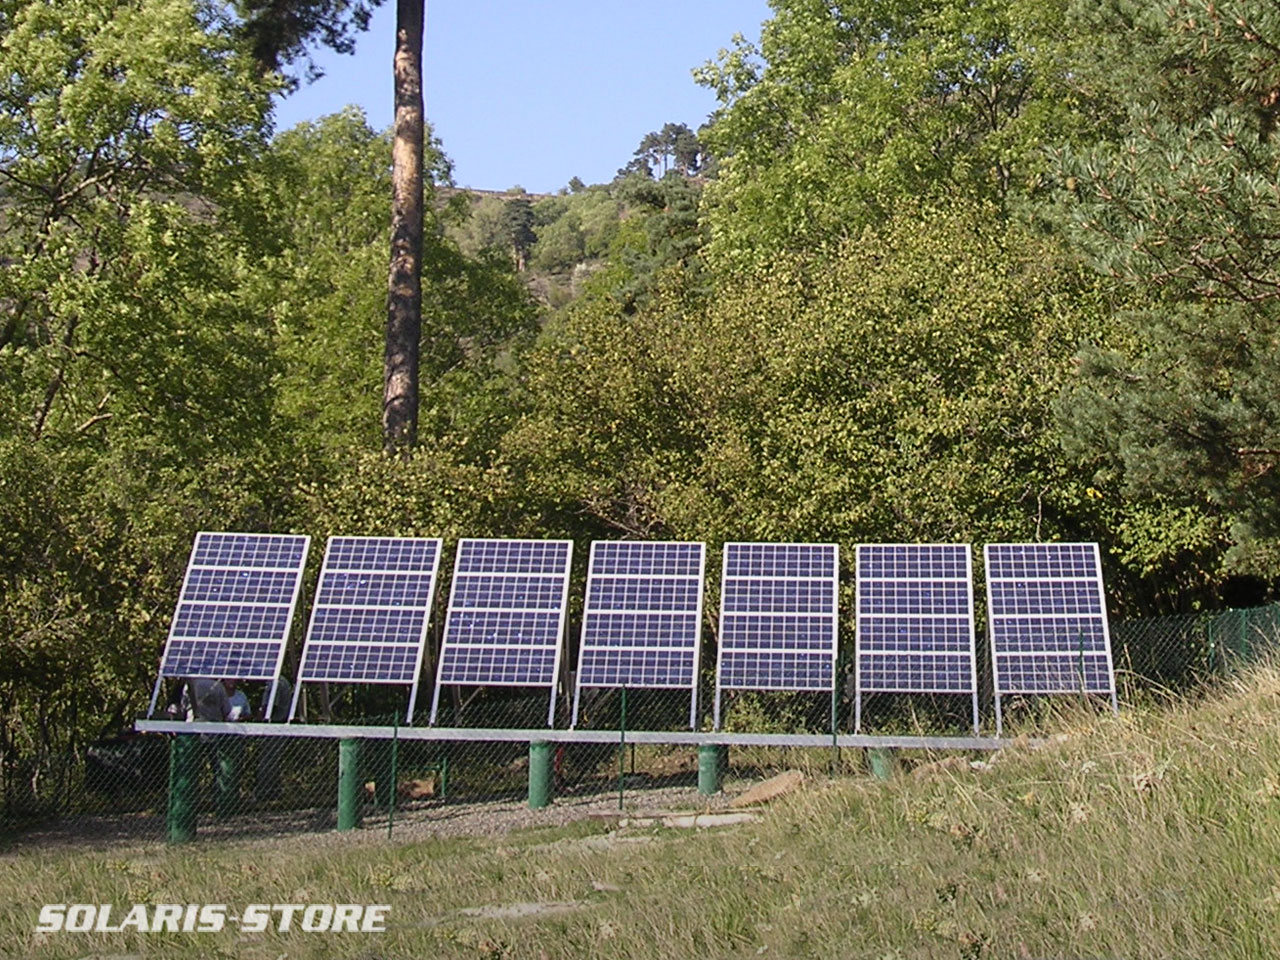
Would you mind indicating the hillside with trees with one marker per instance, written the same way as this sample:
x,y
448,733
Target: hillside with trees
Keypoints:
x,y
948,270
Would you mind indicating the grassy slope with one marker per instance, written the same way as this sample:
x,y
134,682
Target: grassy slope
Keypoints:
x,y
1154,835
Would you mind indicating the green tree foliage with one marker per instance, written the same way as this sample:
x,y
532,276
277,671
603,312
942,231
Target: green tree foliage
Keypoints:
x,y
279,32
331,190
898,387
136,372
674,148
845,108
1179,204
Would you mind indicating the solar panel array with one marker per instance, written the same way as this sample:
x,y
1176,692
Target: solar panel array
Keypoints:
x,y
915,630
235,608
642,616
506,615
777,617
642,620
369,619
1048,619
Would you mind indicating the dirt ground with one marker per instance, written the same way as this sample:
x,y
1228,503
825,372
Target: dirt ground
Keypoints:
x,y
411,821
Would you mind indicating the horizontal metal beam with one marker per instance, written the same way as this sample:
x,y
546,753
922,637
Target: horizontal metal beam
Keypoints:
x,y
675,737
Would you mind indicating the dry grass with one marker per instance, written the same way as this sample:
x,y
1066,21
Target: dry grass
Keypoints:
x,y
1151,835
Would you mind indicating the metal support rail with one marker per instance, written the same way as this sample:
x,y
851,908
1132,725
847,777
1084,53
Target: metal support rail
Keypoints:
x,y
719,738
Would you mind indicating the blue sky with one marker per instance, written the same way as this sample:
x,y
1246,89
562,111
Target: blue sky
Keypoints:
x,y
537,93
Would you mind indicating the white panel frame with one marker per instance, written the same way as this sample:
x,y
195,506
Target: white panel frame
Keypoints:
x,y
834,616
592,576
860,653
308,642
288,623
1095,578
562,614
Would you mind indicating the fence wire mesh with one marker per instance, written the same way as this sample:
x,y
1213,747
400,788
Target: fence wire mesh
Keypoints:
x,y
146,787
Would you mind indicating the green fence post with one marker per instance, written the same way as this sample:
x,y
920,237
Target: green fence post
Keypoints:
x,y
539,774
709,768
184,767
883,764
348,784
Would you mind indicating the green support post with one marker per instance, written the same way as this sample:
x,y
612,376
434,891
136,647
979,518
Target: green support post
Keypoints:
x,y
709,768
184,768
883,764
539,774
349,787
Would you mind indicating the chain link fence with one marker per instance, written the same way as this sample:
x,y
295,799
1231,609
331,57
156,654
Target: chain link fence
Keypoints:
x,y
146,787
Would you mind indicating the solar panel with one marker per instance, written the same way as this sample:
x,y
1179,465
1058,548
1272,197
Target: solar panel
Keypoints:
x,y
643,618
915,629
369,618
506,615
777,618
233,613
1048,620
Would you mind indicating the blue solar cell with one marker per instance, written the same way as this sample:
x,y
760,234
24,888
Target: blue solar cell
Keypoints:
x,y
367,625
619,593
507,593
239,586
1024,673
218,658
647,557
506,615
915,630
777,617
348,663
349,589
248,550
515,628
636,668
804,560
642,618
512,556
1048,619
233,612
773,595
413,554
914,597
895,561
917,635
776,670
789,632
607,629
928,672
499,666
1064,635
369,621
1043,597
1055,561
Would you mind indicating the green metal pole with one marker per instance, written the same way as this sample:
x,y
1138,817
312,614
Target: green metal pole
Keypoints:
x,y
348,784
184,765
883,764
709,769
539,774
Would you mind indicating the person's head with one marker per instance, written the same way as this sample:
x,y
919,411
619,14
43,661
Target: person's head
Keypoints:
x,y
230,685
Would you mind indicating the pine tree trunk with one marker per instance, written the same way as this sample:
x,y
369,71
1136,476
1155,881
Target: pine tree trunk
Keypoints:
x,y
404,300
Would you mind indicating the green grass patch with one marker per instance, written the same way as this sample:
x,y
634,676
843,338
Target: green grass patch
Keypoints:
x,y
1152,835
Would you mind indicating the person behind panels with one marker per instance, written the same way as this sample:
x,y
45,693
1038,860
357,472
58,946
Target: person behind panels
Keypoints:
x,y
238,701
